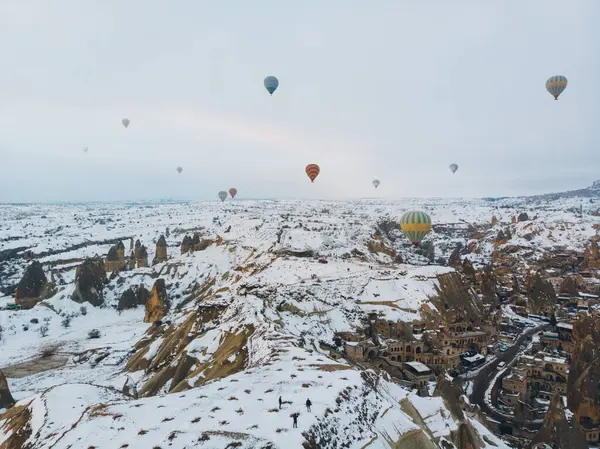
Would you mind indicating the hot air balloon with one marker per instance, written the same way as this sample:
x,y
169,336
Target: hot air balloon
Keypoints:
x,y
85,149
179,169
415,225
271,84
233,192
125,122
222,195
555,85
453,168
376,183
312,170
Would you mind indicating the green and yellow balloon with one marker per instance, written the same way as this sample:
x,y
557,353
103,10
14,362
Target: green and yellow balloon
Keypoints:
x,y
415,225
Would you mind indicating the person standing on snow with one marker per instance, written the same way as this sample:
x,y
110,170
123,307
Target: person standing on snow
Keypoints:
x,y
295,418
308,404
280,402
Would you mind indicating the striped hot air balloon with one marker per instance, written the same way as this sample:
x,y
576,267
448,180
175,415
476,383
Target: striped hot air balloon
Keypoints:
x,y
222,195
233,192
415,225
312,170
556,84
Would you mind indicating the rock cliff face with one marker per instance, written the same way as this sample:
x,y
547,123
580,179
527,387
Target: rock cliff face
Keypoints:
x,y
157,304
572,285
557,431
33,286
583,387
161,251
6,399
89,282
133,297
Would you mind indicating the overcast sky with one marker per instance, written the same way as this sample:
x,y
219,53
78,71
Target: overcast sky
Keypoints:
x,y
393,89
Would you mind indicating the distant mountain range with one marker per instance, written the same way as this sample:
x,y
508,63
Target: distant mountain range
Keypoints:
x,y
592,191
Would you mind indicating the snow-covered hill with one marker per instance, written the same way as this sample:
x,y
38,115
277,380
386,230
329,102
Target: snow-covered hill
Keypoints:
x,y
251,318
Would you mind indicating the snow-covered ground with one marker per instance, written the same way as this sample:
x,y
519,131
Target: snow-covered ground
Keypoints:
x,y
270,295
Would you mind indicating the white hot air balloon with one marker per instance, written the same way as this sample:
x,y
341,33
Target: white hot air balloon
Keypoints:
x,y
125,122
376,183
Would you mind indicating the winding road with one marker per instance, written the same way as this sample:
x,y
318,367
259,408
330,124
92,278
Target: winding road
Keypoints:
x,y
482,381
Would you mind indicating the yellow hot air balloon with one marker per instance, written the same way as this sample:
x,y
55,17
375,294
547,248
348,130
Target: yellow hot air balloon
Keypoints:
x,y
415,225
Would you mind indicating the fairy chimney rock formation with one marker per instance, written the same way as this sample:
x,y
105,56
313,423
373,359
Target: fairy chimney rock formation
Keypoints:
x,y
557,431
454,259
142,260
494,220
157,305
186,244
161,251
33,286
6,399
133,297
115,259
89,282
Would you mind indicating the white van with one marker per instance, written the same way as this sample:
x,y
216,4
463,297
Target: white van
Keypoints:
x,y
501,365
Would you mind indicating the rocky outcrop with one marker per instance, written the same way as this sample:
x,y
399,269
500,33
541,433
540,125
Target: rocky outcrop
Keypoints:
x,y
571,285
139,256
451,393
89,282
115,259
523,217
487,284
494,220
557,431
33,286
161,251
591,256
6,399
456,300
133,297
157,304
468,270
186,244
194,243
541,295
583,386
454,259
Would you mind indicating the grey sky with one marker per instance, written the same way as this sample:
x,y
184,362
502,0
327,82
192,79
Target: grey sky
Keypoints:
x,y
393,89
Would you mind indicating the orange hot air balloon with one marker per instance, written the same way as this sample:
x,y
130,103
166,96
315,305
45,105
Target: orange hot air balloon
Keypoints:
x,y
233,192
312,170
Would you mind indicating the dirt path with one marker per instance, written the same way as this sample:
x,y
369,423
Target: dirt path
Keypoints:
x,y
35,366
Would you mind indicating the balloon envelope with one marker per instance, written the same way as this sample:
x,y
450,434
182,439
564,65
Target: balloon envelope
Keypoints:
x,y
233,192
453,168
376,183
125,122
271,84
222,195
415,225
179,169
85,149
312,171
556,85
